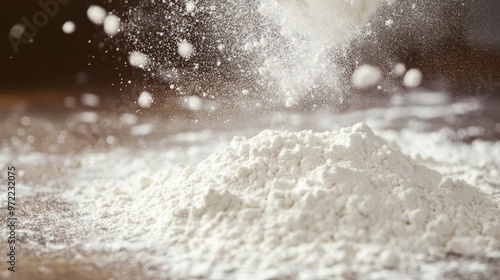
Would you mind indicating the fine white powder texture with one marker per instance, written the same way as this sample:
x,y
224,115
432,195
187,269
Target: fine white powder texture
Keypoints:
x,y
366,76
286,51
309,30
324,21
279,199
185,49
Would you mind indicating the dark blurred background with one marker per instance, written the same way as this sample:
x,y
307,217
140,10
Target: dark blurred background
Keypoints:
x,y
465,57
54,57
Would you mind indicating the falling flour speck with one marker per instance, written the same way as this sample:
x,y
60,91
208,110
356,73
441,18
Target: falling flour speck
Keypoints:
x,y
17,31
413,78
111,25
366,76
138,59
90,99
145,99
68,27
193,103
142,129
190,6
185,49
96,14
399,69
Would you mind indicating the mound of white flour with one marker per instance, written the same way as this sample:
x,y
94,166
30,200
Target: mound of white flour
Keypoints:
x,y
306,200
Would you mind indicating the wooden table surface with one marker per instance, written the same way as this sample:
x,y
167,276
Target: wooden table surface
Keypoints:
x,y
54,219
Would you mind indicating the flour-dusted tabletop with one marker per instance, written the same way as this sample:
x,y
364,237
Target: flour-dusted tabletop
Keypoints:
x,y
72,160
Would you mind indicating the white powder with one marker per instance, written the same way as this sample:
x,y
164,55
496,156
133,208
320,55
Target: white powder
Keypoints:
x,y
68,27
96,14
112,25
287,48
248,46
90,99
138,59
282,199
366,76
399,69
88,117
291,101
309,30
142,129
17,31
193,103
413,78
190,6
25,121
185,49
145,99
129,118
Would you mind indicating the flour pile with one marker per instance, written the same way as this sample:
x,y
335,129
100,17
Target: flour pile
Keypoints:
x,y
303,200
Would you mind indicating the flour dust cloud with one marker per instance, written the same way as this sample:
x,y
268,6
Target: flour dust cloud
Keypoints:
x,y
281,51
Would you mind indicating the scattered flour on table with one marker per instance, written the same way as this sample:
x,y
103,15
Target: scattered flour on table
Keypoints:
x,y
300,200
